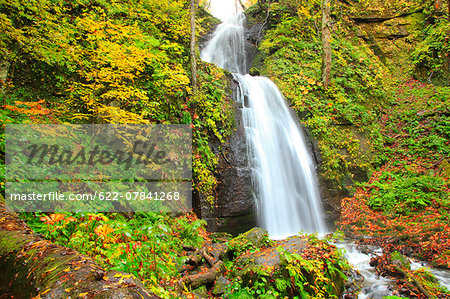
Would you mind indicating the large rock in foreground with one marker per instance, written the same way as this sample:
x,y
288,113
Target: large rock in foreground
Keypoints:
x,y
31,266
300,266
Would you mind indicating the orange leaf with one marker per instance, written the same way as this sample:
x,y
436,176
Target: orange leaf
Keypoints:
x,y
54,218
103,230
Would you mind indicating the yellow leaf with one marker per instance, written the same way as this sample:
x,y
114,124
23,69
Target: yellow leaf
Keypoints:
x,y
103,230
52,268
45,292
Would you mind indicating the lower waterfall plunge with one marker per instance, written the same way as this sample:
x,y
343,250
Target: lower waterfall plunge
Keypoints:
x,y
283,173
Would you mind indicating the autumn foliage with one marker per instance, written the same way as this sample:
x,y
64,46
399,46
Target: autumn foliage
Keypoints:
x,y
417,225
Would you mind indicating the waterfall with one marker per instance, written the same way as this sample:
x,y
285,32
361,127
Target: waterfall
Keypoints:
x,y
283,172
226,48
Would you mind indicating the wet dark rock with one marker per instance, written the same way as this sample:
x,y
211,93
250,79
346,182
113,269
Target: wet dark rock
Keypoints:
x,y
33,267
254,33
234,209
332,191
379,32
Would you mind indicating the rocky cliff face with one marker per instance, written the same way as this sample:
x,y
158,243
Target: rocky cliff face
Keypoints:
x,y
391,37
234,207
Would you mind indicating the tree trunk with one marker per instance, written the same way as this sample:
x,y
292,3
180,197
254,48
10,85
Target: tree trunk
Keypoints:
x,y
4,68
242,5
193,8
413,279
326,42
31,266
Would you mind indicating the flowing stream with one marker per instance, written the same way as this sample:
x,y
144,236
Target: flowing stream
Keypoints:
x,y
374,286
283,172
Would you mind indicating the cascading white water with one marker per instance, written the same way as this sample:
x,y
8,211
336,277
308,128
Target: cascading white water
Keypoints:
x,y
283,172
226,48
284,176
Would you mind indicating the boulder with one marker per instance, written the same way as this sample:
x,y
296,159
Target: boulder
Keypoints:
x,y
270,258
33,267
277,262
220,286
255,238
218,250
254,72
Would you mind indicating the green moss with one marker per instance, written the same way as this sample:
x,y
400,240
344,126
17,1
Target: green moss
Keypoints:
x,y
206,21
10,243
315,270
254,239
343,118
401,260
429,282
213,122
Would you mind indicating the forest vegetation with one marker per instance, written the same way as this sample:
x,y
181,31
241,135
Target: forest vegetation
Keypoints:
x,y
380,123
